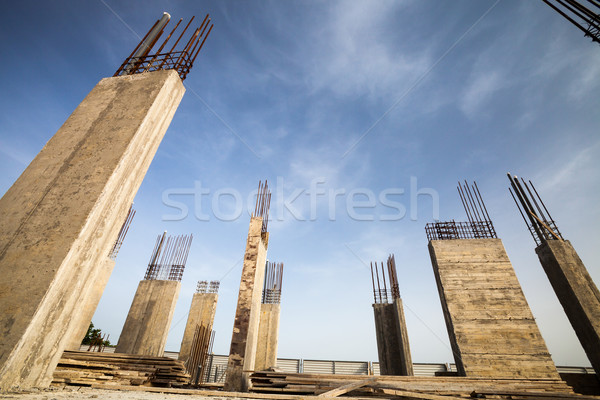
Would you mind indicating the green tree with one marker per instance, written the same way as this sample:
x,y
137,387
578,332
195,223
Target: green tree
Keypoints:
x,y
93,335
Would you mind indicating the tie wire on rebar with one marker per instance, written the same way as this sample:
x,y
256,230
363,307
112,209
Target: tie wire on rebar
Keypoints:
x,y
537,218
169,257
263,202
579,15
385,295
140,60
273,283
122,233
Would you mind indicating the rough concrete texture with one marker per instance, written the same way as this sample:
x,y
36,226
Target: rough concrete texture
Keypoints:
x,y
81,320
268,335
63,214
576,292
202,312
149,319
244,339
392,339
491,328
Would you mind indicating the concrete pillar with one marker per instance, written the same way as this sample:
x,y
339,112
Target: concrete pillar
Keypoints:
x,y
63,214
576,292
149,319
202,312
492,331
82,319
268,335
242,353
392,339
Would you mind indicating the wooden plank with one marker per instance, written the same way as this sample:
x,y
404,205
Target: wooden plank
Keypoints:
x,y
347,388
418,396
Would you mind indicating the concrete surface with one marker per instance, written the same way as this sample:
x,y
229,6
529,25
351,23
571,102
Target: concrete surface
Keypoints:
x,y
202,312
576,292
242,354
268,336
81,319
149,319
492,331
392,339
63,214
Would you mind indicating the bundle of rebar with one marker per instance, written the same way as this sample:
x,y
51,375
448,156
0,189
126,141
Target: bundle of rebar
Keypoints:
x,y
201,347
273,282
140,60
385,295
479,226
122,233
205,287
535,214
584,16
263,202
169,257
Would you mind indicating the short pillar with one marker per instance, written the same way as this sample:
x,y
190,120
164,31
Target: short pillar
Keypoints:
x,y
393,347
147,325
492,331
392,339
576,292
202,312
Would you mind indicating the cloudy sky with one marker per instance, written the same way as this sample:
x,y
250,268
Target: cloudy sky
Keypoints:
x,y
362,116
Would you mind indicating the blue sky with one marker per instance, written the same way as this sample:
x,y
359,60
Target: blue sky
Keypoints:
x,y
362,99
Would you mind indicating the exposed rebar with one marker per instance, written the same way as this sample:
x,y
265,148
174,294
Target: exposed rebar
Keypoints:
x,y
169,257
122,233
273,282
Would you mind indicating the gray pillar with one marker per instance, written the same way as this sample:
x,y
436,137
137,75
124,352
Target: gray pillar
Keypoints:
x,y
392,339
576,292
147,325
63,214
268,335
492,331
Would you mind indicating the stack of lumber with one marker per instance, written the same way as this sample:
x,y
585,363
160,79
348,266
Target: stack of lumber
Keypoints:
x,y
83,368
409,386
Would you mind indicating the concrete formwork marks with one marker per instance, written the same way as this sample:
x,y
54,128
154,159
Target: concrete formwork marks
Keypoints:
x,y
202,312
245,329
62,216
491,328
392,339
268,336
147,325
576,292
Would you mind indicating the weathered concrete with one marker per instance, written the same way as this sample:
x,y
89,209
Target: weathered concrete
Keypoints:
x,y
147,325
392,339
242,353
82,319
63,214
491,328
576,292
268,335
202,312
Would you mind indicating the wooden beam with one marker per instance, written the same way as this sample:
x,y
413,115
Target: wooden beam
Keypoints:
x,y
418,396
347,388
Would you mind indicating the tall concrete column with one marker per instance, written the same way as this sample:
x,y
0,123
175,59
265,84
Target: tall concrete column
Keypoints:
x,y
576,292
492,330
147,325
63,214
242,353
392,339
202,312
82,319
